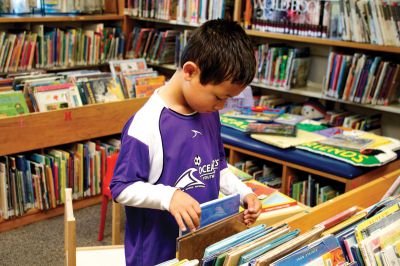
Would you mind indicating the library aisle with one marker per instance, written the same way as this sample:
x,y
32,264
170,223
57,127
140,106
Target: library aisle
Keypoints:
x,y
42,243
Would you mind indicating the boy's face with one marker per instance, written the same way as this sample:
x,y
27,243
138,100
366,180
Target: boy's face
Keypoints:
x,y
210,97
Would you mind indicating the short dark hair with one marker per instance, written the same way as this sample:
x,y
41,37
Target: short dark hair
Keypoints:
x,y
222,51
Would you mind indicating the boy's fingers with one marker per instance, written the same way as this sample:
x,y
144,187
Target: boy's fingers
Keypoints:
x,y
195,217
250,204
188,220
197,209
179,221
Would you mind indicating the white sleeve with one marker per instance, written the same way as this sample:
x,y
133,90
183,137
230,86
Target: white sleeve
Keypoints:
x,y
230,184
146,195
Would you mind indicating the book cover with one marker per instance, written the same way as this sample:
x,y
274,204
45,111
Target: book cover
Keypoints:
x,y
347,142
272,129
218,209
316,253
12,103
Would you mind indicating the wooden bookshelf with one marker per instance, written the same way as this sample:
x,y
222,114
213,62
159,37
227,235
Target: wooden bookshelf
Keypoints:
x,y
46,19
316,93
309,91
166,22
35,215
324,42
39,130
288,168
362,197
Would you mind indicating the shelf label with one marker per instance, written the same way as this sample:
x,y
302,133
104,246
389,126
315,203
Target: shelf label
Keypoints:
x,y
68,116
21,122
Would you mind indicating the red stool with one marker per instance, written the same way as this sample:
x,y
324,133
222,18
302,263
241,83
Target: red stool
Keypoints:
x,y
110,164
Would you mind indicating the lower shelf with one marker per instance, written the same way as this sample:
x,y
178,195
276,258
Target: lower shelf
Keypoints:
x,y
37,215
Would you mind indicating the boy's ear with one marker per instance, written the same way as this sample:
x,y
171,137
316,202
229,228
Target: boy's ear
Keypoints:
x,y
190,69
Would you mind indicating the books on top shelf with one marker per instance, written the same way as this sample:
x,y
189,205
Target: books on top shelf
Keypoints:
x,y
137,79
374,22
361,78
47,47
155,45
281,66
181,10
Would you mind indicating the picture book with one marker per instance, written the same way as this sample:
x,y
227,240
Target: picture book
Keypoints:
x,y
321,252
285,142
12,103
54,97
235,123
290,246
106,90
118,66
289,119
272,129
347,142
218,209
258,116
271,199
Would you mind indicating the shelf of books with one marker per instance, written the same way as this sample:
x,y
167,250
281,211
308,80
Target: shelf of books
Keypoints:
x,y
314,92
44,129
35,215
166,22
338,231
60,18
289,173
324,42
362,197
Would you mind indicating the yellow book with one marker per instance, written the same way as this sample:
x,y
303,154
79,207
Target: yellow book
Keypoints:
x,y
372,220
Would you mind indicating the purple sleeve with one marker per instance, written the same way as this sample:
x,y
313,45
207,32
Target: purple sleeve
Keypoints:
x,y
132,164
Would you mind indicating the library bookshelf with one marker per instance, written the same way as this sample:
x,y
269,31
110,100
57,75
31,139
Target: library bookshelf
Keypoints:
x,y
362,197
287,168
36,131
320,49
314,90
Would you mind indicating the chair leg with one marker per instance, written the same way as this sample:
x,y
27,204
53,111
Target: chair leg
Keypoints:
x,y
104,204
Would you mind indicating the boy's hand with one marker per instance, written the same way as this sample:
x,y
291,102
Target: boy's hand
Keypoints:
x,y
186,210
253,208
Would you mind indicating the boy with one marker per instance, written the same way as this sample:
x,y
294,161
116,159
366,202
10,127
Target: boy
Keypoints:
x,y
172,157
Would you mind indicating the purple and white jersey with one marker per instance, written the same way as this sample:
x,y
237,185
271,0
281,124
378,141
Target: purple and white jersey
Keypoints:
x,y
161,151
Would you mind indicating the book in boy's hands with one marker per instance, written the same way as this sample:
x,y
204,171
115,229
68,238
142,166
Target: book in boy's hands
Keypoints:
x,y
272,129
347,142
216,210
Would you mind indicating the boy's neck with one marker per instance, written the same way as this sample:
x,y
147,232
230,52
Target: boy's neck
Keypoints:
x,y
172,95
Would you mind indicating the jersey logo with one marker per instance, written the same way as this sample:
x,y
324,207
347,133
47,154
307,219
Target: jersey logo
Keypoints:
x,y
196,133
187,180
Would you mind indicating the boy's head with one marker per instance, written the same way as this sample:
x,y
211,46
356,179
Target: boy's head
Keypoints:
x,y
222,51
217,63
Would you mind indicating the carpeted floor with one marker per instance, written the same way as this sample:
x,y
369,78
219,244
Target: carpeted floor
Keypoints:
x,y
42,243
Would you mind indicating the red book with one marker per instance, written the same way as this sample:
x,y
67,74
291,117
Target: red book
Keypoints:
x,y
338,218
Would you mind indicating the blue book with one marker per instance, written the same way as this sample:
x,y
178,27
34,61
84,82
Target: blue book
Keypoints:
x,y
247,257
216,210
310,252
233,240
